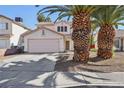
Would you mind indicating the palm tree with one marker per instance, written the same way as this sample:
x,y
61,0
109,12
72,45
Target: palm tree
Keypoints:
x,y
48,19
108,18
42,18
81,25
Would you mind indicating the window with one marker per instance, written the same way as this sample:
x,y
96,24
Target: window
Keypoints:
x,y
61,28
43,32
65,28
6,26
3,26
117,43
58,28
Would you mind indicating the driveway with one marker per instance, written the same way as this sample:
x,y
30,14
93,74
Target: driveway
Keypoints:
x,y
18,70
30,62
38,70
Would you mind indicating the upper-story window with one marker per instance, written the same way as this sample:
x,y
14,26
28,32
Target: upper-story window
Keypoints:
x,y
3,26
65,28
58,28
62,28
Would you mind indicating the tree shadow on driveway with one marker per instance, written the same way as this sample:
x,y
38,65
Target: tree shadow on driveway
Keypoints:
x,y
17,74
40,73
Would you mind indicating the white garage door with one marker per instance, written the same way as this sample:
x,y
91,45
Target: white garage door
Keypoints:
x,y
44,45
3,43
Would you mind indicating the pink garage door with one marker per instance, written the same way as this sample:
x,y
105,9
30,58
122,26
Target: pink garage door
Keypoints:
x,y
44,45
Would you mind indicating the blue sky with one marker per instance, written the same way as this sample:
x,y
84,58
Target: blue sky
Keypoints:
x,y
27,12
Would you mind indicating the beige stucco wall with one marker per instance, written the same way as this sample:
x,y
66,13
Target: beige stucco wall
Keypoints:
x,y
14,31
48,35
4,40
9,31
63,24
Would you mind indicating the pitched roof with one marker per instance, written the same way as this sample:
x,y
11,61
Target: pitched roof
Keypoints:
x,y
64,22
30,32
15,22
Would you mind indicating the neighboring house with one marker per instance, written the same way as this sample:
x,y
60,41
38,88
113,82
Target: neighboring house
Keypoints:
x,y
119,40
49,37
10,32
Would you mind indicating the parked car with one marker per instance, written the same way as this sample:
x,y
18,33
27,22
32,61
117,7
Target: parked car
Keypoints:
x,y
14,50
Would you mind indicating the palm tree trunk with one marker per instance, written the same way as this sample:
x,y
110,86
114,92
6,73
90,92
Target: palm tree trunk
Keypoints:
x,y
80,36
105,41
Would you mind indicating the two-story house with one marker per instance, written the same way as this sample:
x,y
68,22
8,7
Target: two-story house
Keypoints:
x,y
49,37
10,31
56,37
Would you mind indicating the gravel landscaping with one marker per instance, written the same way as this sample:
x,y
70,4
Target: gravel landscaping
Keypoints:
x,y
116,64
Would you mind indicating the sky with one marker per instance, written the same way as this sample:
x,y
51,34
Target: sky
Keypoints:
x,y
27,12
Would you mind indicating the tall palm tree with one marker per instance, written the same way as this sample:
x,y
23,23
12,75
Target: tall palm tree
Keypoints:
x,y
81,25
108,18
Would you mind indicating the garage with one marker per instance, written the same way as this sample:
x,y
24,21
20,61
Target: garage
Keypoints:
x,y
4,43
44,40
43,45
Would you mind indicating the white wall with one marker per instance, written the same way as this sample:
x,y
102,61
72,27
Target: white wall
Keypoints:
x,y
48,35
9,31
16,31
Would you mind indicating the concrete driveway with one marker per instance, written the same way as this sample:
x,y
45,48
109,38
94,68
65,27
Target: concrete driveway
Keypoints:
x,y
37,70
18,70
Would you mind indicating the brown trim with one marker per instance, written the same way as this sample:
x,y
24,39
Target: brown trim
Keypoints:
x,y
6,36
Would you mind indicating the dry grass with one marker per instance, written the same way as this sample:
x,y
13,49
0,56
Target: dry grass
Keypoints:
x,y
95,64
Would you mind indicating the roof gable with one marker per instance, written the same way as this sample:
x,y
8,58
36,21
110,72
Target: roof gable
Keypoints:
x,y
62,21
15,22
31,32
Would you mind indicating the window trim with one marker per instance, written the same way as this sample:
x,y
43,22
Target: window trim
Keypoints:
x,y
65,28
3,26
58,29
62,29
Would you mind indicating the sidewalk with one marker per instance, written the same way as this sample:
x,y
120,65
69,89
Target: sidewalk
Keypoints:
x,y
60,79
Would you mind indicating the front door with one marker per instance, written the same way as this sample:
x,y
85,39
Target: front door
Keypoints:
x,y
67,45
